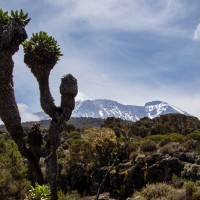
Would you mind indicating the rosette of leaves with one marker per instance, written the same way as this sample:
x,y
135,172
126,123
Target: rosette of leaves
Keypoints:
x,y
41,52
4,17
20,16
15,15
39,192
12,32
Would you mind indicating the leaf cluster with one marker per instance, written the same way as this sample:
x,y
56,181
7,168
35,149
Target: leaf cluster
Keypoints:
x,y
21,16
15,15
42,46
39,192
4,17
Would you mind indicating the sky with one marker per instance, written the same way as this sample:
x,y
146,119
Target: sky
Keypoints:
x,y
130,51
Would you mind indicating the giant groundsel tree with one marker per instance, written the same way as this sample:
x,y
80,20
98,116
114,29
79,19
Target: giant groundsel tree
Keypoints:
x,y
41,53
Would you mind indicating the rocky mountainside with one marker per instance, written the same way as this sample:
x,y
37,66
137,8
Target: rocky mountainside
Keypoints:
x,y
102,108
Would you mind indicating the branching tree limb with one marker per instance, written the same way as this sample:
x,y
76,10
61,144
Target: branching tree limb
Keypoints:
x,y
41,54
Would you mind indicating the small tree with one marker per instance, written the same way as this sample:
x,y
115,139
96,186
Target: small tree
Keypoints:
x,y
41,55
13,183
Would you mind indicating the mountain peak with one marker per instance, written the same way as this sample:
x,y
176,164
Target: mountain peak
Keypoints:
x,y
103,108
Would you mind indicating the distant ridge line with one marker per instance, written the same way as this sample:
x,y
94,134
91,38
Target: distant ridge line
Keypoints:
x,y
103,108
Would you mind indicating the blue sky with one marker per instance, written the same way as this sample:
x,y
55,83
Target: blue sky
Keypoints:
x,y
129,51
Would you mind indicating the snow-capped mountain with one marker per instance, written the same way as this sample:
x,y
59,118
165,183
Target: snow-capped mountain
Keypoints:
x,y
103,108
106,108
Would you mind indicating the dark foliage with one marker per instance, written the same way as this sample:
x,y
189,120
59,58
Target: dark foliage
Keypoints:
x,y
170,123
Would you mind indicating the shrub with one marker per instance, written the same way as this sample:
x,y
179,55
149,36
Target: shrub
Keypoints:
x,y
191,171
195,135
190,188
177,182
148,146
196,195
176,137
160,139
165,139
39,192
13,183
191,144
95,146
157,191
172,148
100,143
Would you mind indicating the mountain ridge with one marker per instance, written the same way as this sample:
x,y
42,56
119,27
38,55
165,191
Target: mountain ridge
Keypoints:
x,y
103,108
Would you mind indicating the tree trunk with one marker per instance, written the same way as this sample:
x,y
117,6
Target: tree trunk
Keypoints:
x,y
51,160
9,111
35,141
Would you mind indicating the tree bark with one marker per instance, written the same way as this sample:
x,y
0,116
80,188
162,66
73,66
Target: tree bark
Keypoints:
x,y
46,99
35,141
9,111
51,160
68,90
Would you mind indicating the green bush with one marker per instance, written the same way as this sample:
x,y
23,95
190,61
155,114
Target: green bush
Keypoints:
x,y
39,192
95,146
157,138
176,137
157,191
195,136
172,148
177,182
13,183
165,139
191,144
190,188
196,195
191,171
148,146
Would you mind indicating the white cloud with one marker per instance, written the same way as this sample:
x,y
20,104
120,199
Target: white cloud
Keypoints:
x,y
197,33
126,15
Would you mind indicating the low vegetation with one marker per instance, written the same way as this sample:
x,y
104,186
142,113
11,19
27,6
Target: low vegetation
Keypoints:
x,y
124,163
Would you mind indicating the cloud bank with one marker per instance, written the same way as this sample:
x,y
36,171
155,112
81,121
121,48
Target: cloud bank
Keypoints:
x,y
159,17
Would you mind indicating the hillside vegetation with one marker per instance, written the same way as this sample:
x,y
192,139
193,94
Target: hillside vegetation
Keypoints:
x,y
147,159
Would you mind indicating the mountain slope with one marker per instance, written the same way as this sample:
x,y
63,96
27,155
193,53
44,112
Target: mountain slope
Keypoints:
x,y
102,108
